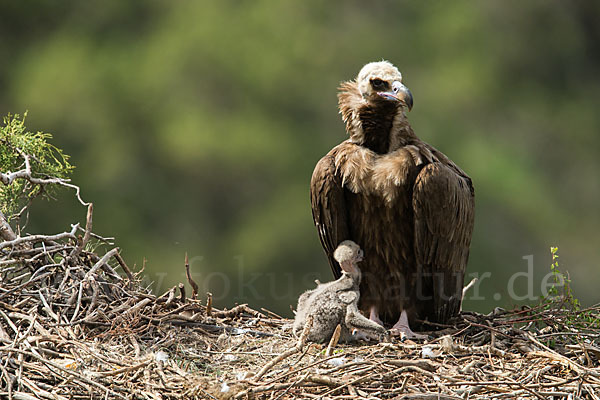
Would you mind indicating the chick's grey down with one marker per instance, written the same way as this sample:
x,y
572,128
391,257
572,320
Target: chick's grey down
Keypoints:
x,y
336,303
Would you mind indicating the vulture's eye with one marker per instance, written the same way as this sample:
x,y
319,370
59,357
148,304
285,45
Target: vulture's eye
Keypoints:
x,y
378,84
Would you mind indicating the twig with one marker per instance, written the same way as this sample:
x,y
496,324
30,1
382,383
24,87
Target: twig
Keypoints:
x,y
339,385
41,238
74,374
78,305
193,284
26,173
124,266
553,354
24,285
183,297
298,347
271,313
218,328
427,396
302,379
285,375
6,232
468,286
208,304
423,364
86,235
102,262
334,340
123,370
237,310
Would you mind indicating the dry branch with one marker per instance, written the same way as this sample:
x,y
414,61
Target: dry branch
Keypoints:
x,y
193,284
33,239
333,341
26,173
6,232
88,232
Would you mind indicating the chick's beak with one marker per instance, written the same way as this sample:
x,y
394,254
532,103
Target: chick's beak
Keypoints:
x,y
400,93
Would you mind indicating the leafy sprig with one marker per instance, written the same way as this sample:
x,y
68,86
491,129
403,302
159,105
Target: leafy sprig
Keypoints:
x,y
18,147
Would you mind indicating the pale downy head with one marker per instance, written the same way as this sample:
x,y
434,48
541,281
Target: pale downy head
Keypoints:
x,y
372,103
348,254
381,80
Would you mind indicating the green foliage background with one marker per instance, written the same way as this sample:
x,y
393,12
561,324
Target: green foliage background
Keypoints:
x,y
195,126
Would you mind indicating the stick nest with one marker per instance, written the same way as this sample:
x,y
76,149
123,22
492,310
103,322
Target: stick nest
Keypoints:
x,y
77,325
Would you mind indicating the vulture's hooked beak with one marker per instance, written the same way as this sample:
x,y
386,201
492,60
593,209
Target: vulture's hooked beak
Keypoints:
x,y
400,93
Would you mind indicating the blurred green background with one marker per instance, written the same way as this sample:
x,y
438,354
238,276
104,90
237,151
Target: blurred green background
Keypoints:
x,y
195,127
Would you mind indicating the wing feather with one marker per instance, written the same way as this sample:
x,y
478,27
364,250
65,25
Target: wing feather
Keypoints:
x,y
329,209
444,207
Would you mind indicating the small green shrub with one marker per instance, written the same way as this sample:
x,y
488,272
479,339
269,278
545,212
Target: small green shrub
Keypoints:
x,y
560,292
43,166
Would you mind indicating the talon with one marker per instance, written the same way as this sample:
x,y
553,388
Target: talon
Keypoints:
x,y
402,329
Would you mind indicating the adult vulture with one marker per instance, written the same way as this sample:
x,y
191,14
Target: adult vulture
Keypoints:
x,y
407,205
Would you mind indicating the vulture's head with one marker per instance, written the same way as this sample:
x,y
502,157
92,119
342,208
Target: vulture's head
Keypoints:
x,y
374,101
382,82
349,254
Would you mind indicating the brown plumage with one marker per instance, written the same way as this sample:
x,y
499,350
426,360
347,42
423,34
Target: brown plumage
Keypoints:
x,y
407,205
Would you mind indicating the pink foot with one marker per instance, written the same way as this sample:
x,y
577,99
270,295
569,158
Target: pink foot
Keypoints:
x,y
374,315
402,329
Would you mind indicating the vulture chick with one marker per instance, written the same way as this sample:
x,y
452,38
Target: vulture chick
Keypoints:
x,y
336,302
408,205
